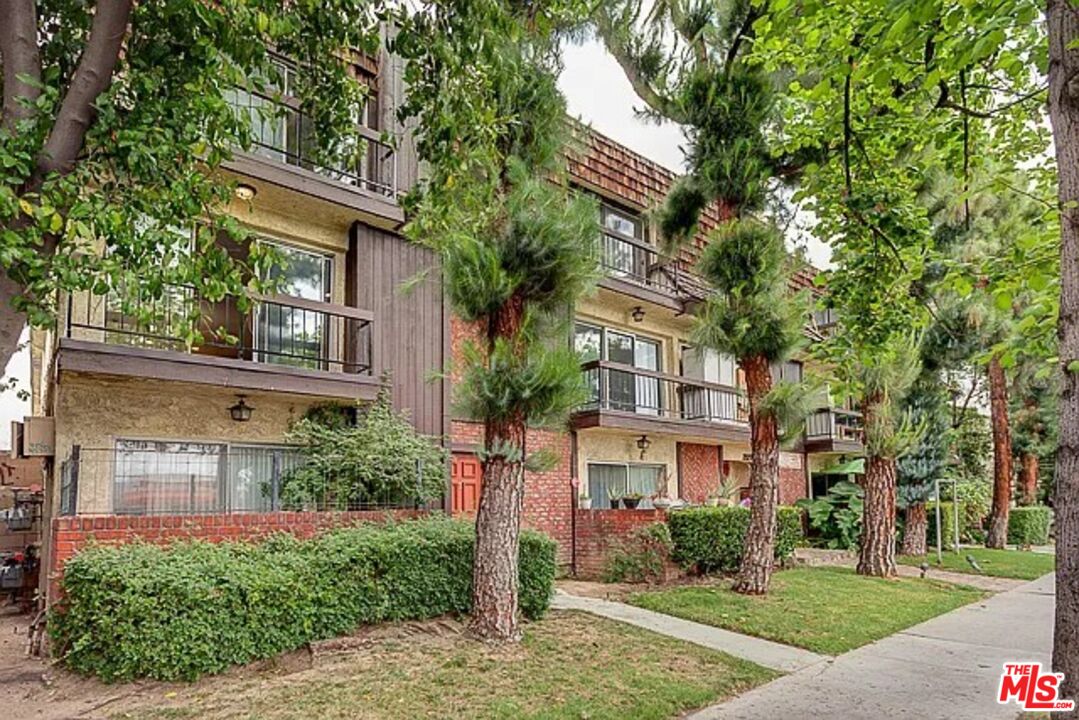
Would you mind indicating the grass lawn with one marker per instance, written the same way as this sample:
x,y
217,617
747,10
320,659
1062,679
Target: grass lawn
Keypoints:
x,y
569,665
825,609
998,563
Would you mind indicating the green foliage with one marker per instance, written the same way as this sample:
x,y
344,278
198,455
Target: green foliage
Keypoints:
x,y
1029,525
156,136
926,460
377,460
837,517
641,557
711,539
177,612
975,499
947,523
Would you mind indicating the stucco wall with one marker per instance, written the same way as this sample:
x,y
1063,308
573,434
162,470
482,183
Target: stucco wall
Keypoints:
x,y
601,445
94,412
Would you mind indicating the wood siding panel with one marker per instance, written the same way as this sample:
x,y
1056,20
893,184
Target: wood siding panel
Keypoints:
x,y
410,328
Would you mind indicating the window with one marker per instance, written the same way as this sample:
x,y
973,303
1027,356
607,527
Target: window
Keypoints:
x,y
153,477
606,480
707,403
625,390
623,235
790,371
290,335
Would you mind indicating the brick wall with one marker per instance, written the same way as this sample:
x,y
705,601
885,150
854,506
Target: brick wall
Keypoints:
x,y
548,500
71,534
600,530
700,471
792,485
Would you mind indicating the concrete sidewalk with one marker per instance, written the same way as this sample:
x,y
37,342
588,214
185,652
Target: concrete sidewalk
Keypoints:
x,y
763,652
947,668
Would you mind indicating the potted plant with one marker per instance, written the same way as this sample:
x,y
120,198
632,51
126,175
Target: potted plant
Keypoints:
x,y
584,502
661,503
632,500
613,497
728,491
712,500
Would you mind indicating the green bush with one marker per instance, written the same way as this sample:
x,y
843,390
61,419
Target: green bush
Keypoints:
x,y
947,523
177,612
837,516
711,538
1029,525
642,557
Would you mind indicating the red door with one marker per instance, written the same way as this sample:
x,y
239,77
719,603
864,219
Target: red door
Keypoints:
x,y
465,476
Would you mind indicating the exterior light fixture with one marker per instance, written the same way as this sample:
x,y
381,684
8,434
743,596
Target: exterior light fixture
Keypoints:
x,y
246,192
241,411
643,443
638,314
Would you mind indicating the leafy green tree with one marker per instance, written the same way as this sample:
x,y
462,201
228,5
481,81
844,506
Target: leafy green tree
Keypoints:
x,y
687,63
513,243
115,120
925,461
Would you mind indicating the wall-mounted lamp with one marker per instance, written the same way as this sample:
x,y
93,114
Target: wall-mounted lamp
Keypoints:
x,y
638,314
643,443
241,411
246,192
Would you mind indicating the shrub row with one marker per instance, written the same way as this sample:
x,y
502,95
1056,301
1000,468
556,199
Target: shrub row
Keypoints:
x,y
711,538
947,523
177,612
1029,525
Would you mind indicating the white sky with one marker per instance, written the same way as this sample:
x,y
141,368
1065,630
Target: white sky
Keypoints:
x,y
598,93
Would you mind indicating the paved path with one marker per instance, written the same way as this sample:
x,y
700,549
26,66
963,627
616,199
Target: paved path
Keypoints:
x,y
946,668
982,582
763,652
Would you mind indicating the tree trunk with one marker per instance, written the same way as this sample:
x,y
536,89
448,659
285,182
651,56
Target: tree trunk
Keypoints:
x,y
1063,28
877,555
1028,479
914,530
758,555
12,321
1002,456
498,517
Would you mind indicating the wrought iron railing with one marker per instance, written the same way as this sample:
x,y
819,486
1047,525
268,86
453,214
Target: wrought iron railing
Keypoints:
x,y
614,386
834,424
140,477
280,131
638,262
277,329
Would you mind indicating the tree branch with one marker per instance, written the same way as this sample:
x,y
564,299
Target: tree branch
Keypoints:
x,y
641,86
18,48
91,78
944,102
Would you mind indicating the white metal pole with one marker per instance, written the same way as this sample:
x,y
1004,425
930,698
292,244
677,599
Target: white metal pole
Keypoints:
x,y
940,549
955,504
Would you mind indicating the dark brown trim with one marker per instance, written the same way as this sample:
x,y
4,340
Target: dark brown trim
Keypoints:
x,y
696,429
120,360
829,445
380,210
640,292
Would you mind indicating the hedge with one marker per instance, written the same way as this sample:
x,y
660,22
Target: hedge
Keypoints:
x,y
711,538
947,523
1029,525
177,612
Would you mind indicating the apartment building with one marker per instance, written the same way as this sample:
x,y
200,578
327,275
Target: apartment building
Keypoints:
x,y
150,433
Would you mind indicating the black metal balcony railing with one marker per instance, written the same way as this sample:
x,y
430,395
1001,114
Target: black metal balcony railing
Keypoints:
x,y
644,392
638,262
277,330
834,424
281,132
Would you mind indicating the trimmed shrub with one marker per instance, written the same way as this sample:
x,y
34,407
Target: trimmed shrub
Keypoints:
x,y
177,612
947,523
642,557
711,538
1029,525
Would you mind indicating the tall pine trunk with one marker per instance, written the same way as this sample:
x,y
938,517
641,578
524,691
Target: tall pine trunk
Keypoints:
x,y
1002,456
877,555
1028,479
12,320
914,529
1063,27
498,518
758,555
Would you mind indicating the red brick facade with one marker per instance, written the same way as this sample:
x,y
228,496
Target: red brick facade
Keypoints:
x,y
792,485
700,471
71,534
548,501
599,530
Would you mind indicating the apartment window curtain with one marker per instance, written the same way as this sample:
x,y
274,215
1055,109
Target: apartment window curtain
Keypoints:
x,y
167,477
607,479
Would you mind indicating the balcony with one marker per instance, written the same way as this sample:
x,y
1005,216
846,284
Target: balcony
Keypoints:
x,y
834,430
633,267
281,343
629,398
362,173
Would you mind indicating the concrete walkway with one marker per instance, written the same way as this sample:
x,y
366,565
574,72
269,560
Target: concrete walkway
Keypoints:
x,y
763,652
947,668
